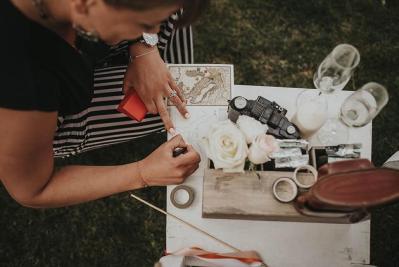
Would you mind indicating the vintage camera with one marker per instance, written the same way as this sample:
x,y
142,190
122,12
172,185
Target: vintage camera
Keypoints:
x,y
266,112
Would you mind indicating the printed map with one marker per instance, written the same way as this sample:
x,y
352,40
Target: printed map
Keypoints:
x,y
204,85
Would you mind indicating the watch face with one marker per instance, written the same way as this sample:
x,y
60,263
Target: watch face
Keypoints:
x,y
150,38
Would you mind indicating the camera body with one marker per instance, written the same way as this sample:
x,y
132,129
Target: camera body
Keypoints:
x,y
266,112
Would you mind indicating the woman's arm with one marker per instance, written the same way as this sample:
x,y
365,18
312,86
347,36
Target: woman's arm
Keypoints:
x,y
26,165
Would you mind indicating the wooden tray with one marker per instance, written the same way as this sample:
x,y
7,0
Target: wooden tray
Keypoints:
x,y
245,196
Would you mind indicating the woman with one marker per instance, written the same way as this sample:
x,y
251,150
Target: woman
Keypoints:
x,y
48,107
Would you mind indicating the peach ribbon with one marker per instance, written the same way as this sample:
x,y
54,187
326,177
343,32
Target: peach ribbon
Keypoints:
x,y
235,259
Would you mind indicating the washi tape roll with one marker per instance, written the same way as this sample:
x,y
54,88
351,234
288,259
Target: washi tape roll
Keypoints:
x,y
305,181
285,189
182,196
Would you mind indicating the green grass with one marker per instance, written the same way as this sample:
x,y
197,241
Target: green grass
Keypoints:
x,y
270,42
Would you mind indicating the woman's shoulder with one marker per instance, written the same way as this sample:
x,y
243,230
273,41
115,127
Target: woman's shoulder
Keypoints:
x,y
13,28
17,77
39,70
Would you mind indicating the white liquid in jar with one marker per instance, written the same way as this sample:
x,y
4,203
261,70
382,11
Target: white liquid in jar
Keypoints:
x,y
309,118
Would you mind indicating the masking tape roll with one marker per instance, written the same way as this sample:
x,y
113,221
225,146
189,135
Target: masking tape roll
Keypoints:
x,y
285,189
307,185
178,204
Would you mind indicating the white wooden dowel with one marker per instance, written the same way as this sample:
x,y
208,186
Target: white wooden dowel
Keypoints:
x,y
184,222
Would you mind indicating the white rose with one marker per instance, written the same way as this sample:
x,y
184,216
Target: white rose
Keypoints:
x,y
225,145
261,149
251,127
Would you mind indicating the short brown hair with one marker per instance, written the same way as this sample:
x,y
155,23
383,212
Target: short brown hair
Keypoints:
x,y
192,9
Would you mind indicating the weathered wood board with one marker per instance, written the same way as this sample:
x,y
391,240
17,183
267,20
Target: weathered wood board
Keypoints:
x,y
245,196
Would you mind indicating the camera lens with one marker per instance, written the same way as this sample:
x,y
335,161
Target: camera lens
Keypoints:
x,y
240,102
291,129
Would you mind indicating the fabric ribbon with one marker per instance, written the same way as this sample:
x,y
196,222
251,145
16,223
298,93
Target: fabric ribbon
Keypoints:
x,y
198,256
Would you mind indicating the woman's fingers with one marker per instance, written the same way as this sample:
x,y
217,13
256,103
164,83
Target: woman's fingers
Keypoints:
x,y
148,102
151,106
174,97
175,142
163,113
193,169
190,157
126,85
178,90
191,149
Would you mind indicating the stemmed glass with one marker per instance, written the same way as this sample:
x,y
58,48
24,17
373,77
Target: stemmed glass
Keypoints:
x,y
363,106
336,69
332,75
358,109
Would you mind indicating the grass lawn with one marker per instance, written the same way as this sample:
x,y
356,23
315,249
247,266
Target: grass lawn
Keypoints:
x,y
270,42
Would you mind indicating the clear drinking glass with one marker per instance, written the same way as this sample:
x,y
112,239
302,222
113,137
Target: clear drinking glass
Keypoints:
x,y
311,112
333,132
364,105
336,69
331,76
357,110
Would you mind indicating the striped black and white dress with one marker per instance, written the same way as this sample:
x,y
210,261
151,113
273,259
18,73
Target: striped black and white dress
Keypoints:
x,y
101,124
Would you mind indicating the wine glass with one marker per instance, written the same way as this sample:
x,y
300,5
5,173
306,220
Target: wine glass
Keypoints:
x,y
363,106
332,75
336,69
358,109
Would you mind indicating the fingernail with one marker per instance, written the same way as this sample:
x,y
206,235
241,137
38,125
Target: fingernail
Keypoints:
x,y
172,131
187,115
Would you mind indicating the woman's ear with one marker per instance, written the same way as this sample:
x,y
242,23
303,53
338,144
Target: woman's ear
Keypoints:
x,y
82,6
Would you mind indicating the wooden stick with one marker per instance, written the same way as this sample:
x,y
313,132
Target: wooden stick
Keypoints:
x,y
184,222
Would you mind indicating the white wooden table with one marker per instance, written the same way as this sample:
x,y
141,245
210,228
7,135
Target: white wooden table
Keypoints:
x,y
279,243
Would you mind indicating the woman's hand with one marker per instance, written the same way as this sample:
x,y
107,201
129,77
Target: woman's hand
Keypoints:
x,y
150,78
161,168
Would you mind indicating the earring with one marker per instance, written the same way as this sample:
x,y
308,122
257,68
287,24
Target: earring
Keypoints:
x,y
91,36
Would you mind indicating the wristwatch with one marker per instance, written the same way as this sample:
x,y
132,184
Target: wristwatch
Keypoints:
x,y
149,39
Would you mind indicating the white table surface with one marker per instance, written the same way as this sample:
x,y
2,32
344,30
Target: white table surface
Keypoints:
x,y
279,243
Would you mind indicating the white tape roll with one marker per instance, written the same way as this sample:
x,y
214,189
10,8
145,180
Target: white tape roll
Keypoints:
x,y
305,182
285,189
